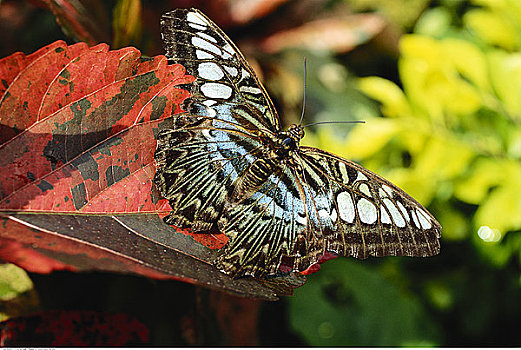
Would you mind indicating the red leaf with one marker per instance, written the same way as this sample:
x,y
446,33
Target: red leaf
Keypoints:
x,y
246,11
339,34
73,328
77,163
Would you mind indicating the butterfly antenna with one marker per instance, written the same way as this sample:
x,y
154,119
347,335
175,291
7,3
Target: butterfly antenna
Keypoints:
x,y
336,122
304,106
304,97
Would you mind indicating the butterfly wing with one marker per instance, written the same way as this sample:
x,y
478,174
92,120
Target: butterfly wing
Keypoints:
x,y
366,215
224,79
196,163
212,145
323,204
267,229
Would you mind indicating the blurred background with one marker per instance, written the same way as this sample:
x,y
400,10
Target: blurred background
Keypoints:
x,y
438,84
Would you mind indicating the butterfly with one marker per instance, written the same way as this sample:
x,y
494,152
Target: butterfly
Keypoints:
x,y
227,165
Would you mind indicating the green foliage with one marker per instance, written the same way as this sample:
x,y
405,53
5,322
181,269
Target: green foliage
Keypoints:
x,y
351,304
402,12
16,292
13,281
126,22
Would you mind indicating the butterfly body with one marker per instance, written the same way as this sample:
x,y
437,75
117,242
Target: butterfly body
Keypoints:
x,y
227,165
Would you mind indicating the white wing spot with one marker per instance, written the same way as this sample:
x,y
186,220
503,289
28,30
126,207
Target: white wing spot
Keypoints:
x,y
216,90
343,172
361,177
346,207
303,220
388,189
244,74
423,217
415,219
367,211
228,51
250,89
232,71
210,71
196,18
196,26
404,211
205,45
395,213
207,135
211,112
333,215
207,37
384,217
323,213
365,189
202,55
209,103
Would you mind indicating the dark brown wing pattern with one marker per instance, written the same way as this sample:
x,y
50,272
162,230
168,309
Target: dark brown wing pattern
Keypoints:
x,y
219,170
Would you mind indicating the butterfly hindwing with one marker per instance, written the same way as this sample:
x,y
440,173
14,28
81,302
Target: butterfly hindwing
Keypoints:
x,y
266,227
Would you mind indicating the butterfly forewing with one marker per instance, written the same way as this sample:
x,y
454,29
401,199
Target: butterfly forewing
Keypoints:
x,y
223,75
372,217
221,167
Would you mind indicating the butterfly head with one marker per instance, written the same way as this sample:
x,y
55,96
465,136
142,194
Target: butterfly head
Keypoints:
x,y
296,132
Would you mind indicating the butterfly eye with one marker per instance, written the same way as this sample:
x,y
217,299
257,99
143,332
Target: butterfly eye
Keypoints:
x,y
288,143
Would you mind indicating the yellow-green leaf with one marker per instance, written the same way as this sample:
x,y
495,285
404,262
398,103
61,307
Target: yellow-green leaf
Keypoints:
x,y
433,22
394,102
13,281
443,158
492,28
367,139
501,210
422,47
485,173
505,72
460,98
469,60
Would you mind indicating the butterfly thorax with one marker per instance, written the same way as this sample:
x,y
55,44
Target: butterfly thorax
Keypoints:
x,y
287,141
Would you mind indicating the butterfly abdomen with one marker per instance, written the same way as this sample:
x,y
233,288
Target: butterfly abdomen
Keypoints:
x,y
253,178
